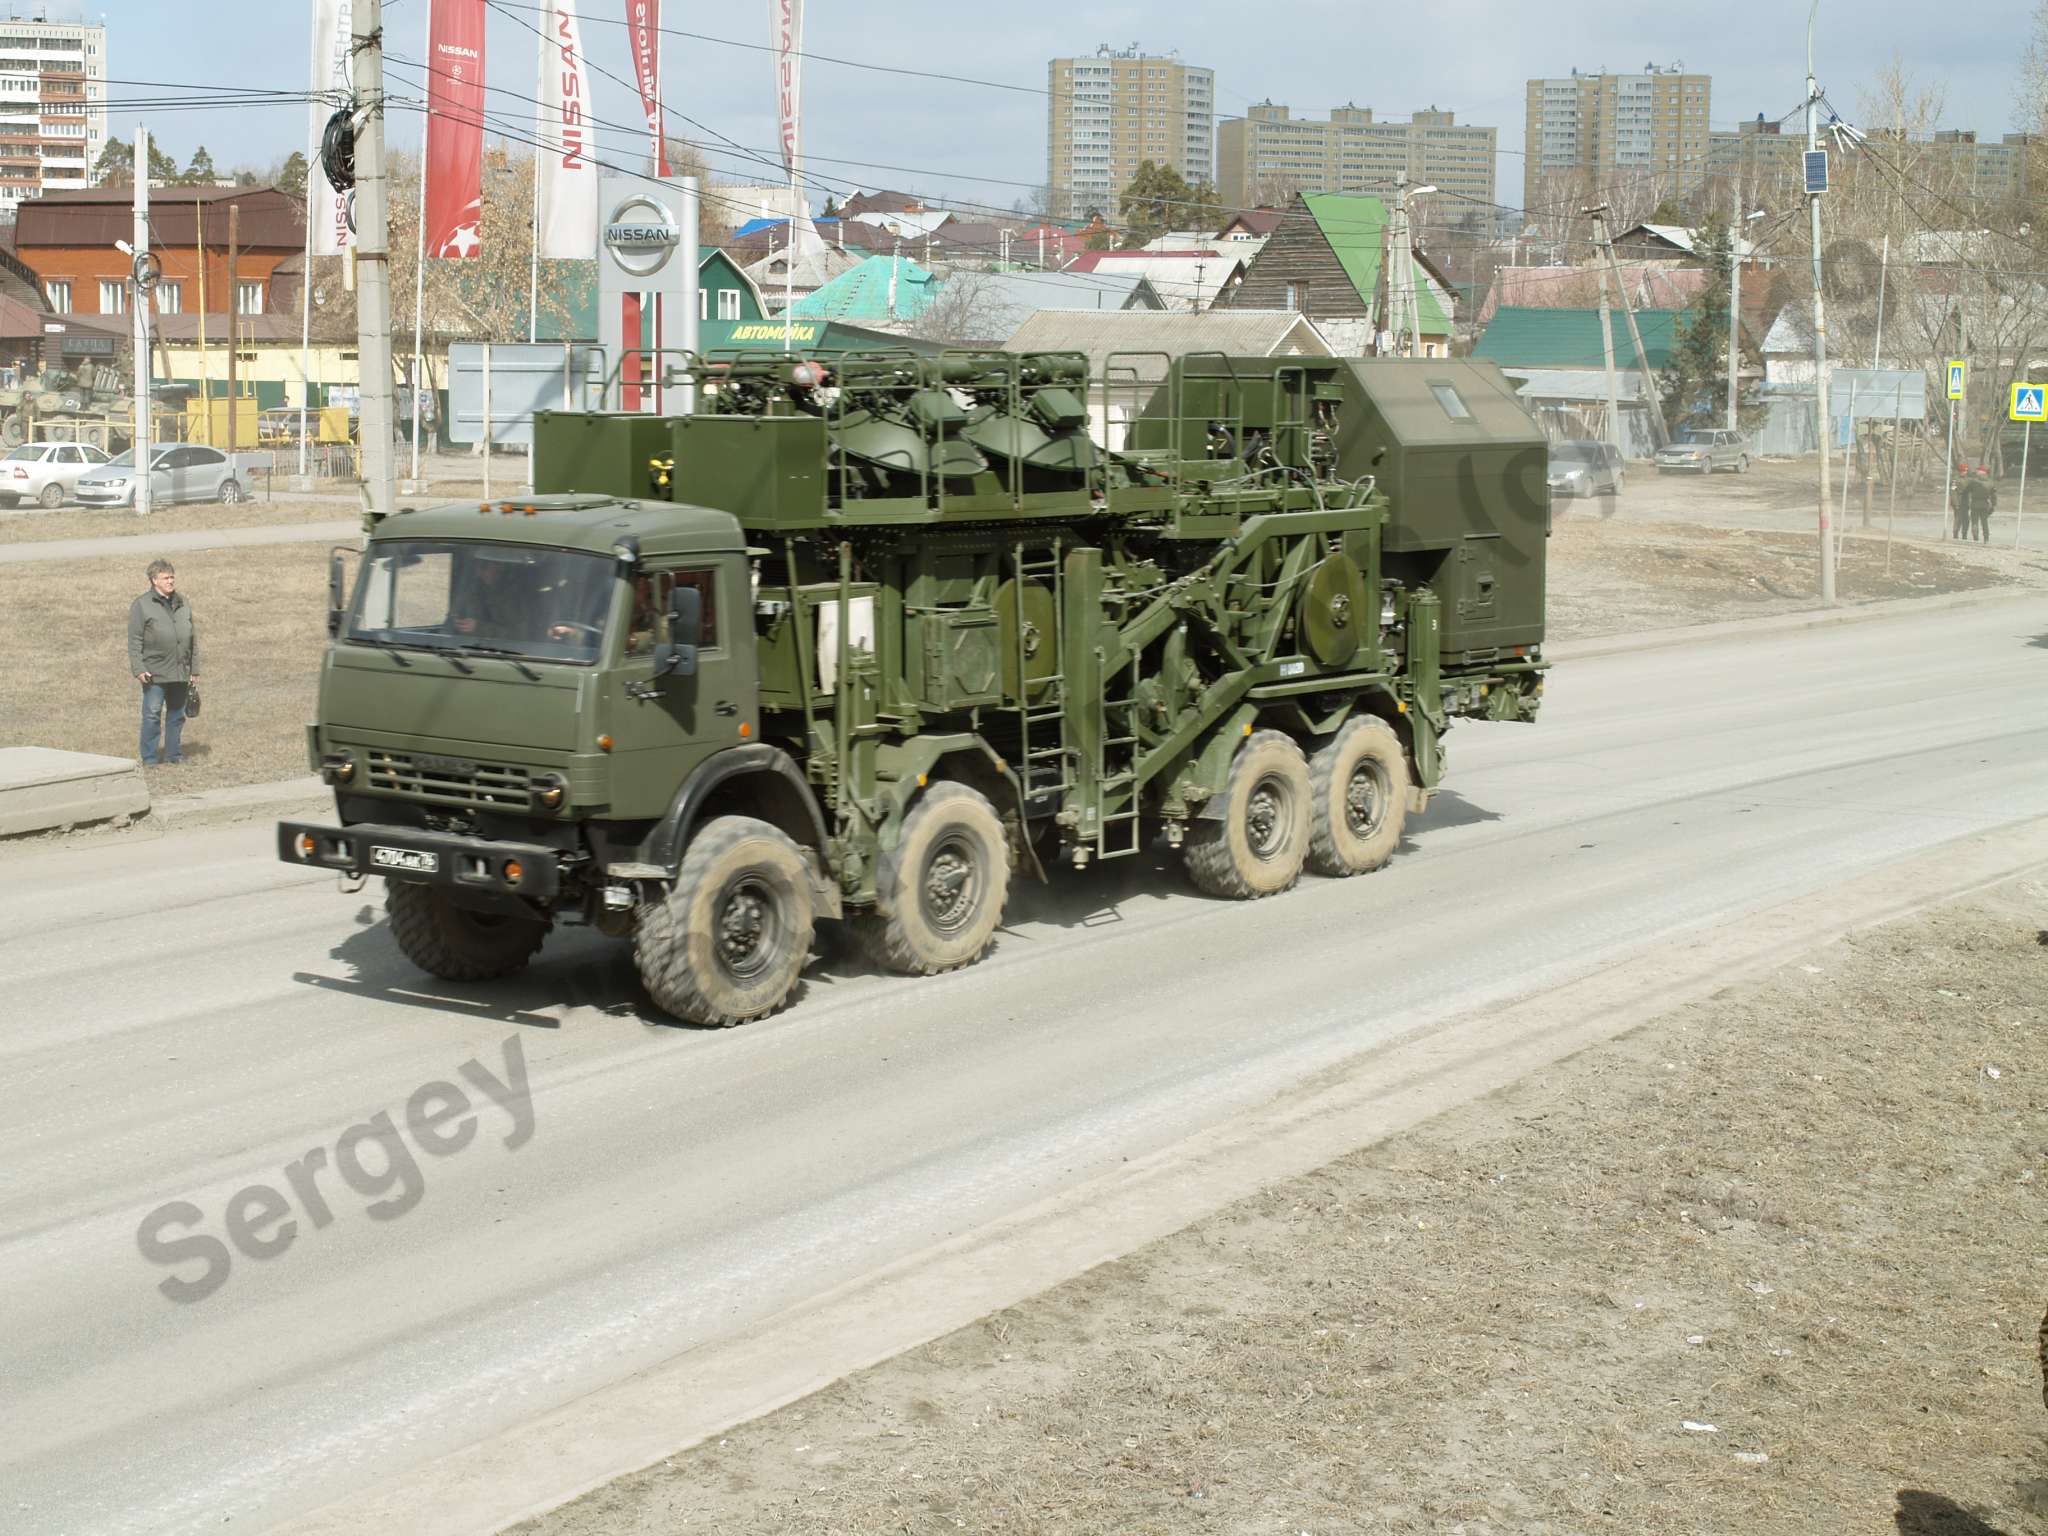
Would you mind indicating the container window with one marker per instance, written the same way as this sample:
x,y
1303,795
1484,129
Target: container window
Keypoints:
x,y
1449,399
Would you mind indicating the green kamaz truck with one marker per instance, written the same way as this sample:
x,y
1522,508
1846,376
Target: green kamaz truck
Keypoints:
x,y
860,638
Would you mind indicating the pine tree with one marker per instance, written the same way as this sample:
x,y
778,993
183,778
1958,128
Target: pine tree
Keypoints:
x,y
200,172
1159,198
1698,371
292,174
116,165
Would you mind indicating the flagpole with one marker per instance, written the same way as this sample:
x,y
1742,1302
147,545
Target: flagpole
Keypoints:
x,y
305,318
419,260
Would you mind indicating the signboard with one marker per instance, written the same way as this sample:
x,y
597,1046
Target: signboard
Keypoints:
x,y
79,346
525,377
1956,370
2030,402
1816,170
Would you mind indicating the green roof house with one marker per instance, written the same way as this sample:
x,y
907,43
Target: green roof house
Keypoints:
x,y
1570,338
876,291
1324,260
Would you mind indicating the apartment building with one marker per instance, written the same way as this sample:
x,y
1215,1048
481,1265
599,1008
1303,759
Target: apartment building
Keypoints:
x,y
1115,108
1268,155
1758,164
53,106
1591,129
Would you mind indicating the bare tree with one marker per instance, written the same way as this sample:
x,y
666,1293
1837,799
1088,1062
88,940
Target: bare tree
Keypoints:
x,y
967,307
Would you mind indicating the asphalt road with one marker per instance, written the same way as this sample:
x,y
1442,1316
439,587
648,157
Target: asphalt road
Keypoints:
x,y
187,1017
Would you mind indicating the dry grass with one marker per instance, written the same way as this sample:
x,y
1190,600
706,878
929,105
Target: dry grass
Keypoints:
x,y
1804,1213
262,616
1620,576
105,523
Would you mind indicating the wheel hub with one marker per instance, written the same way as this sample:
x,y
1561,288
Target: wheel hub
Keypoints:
x,y
1365,800
1266,818
746,928
952,885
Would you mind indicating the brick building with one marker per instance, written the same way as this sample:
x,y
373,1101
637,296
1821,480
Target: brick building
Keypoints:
x,y
68,240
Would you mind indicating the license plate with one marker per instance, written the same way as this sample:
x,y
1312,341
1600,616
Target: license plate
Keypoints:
x,y
414,859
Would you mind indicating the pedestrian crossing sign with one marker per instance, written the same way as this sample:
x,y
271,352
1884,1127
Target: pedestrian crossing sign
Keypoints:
x,y
2030,402
1955,380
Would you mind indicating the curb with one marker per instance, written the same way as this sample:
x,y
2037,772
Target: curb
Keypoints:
x,y
238,802
1781,624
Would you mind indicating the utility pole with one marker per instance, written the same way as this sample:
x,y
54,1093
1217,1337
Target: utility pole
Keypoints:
x,y
693,306
1411,307
1820,324
205,377
1734,312
234,305
373,288
138,290
1635,335
1607,351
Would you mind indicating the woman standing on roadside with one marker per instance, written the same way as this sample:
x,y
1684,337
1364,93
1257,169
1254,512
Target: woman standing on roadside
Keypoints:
x,y
163,655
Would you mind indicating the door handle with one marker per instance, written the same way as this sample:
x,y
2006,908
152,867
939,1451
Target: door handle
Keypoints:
x,y
726,707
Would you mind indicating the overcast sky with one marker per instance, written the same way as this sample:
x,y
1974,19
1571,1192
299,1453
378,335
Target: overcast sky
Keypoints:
x,y
986,143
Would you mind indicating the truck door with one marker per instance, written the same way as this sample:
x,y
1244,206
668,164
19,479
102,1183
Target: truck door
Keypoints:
x,y
665,726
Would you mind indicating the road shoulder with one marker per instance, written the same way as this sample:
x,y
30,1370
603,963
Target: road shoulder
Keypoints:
x,y
656,1416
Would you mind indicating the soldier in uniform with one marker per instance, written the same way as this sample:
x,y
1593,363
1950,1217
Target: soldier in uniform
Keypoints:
x,y
1983,503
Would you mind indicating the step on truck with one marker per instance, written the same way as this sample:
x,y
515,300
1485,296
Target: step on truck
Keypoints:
x,y
861,638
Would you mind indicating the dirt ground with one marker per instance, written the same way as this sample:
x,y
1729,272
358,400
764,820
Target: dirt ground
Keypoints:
x,y
1772,1263
25,527
262,617
1622,574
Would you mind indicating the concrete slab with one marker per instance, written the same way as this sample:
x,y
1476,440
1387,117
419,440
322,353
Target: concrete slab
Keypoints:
x,y
41,788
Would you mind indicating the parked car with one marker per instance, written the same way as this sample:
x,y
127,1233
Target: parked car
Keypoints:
x,y
177,472
45,472
1704,450
1585,468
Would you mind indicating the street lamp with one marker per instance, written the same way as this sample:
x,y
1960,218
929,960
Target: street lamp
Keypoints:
x,y
1735,306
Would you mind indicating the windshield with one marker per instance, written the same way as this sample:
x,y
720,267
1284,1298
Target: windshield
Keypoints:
x,y
1575,453
1696,439
546,604
30,451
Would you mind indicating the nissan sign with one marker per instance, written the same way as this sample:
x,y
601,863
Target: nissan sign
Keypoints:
x,y
641,235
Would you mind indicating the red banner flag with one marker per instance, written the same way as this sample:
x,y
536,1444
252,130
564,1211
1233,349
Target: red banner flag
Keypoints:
x,y
453,199
644,18
789,65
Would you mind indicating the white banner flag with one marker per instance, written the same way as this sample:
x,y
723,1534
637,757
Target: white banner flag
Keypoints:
x,y
789,81
333,70
565,218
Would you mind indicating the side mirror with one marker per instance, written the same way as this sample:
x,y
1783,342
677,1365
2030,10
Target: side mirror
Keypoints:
x,y
337,588
678,652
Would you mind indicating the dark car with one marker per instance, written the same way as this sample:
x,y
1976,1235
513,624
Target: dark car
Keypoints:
x,y
1585,468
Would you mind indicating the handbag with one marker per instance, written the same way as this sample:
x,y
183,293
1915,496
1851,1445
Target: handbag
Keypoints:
x,y
191,701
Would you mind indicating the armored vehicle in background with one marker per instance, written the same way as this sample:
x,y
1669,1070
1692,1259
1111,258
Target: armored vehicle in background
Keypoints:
x,y
859,638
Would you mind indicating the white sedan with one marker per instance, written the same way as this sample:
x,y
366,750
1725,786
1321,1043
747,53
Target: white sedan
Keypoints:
x,y
45,472
177,472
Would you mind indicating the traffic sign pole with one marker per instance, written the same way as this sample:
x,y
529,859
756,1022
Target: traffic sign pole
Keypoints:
x,y
1948,471
2020,516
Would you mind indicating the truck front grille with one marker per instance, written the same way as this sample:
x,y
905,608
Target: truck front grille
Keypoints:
x,y
450,781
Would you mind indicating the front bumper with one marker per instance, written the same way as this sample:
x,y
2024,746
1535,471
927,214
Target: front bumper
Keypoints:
x,y
1697,466
525,870
103,496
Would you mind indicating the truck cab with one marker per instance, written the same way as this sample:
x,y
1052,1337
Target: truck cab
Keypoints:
x,y
517,700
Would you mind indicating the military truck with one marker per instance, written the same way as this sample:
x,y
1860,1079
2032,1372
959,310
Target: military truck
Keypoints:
x,y
860,638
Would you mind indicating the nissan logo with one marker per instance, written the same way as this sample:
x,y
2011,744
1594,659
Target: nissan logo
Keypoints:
x,y
641,236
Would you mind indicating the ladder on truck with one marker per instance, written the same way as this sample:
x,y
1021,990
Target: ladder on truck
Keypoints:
x,y
1042,763
1118,830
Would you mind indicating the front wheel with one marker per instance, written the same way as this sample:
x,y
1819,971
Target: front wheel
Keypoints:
x,y
1256,847
940,892
728,941
454,943
1742,465
230,492
1359,799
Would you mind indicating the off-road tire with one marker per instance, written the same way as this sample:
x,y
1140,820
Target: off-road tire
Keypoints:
x,y
727,942
445,940
230,492
1256,847
940,891
52,497
1358,799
